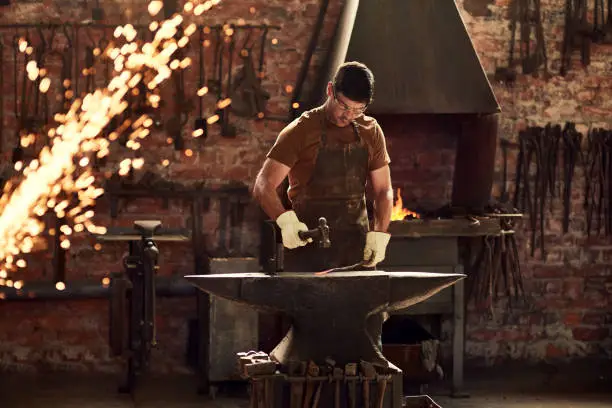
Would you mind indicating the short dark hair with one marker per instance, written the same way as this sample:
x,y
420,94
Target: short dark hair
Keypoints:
x,y
355,81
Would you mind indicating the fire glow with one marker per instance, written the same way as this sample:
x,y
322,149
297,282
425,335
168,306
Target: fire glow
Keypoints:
x,y
59,179
398,211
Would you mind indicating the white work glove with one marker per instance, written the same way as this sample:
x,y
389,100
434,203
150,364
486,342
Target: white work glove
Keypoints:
x,y
290,226
375,247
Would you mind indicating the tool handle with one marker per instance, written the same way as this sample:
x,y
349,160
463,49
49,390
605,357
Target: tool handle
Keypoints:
x,y
319,234
313,233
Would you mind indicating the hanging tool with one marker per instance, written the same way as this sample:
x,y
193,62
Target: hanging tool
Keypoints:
x,y
90,71
578,33
228,130
493,263
100,45
19,101
45,96
539,144
262,48
305,68
66,84
591,164
554,134
508,74
77,70
216,84
598,21
248,97
34,122
504,196
1,96
182,106
607,29
200,123
528,16
572,141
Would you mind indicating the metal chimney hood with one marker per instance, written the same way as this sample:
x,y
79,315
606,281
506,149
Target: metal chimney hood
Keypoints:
x,y
422,58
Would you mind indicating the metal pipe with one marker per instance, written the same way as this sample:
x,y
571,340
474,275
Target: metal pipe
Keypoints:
x,y
314,39
337,53
88,289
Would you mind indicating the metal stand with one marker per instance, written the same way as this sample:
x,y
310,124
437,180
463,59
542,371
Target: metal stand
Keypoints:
x,y
132,302
435,254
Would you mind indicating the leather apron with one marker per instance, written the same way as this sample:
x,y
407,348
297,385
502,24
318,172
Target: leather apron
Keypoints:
x,y
336,191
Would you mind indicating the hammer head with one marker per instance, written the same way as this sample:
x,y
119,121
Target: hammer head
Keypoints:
x,y
324,241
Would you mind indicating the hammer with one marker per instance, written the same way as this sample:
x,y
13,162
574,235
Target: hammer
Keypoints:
x,y
320,234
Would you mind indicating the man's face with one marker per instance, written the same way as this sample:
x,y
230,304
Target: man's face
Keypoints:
x,y
342,111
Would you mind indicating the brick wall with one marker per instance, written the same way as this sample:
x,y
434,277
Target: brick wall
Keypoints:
x,y
569,312
422,152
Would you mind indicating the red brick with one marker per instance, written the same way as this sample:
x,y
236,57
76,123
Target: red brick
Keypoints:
x,y
588,334
550,303
517,334
573,319
573,289
596,270
594,318
552,351
553,287
484,335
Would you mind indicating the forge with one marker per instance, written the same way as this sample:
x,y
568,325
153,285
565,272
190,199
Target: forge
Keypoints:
x,y
333,316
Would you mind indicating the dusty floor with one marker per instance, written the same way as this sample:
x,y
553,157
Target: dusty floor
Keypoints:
x,y
535,387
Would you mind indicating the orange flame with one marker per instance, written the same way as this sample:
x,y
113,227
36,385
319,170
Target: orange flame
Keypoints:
x,y
398,212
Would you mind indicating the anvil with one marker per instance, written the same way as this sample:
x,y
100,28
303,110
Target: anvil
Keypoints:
x,y
330,312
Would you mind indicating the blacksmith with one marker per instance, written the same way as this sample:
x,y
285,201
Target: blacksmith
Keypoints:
x,y
330,153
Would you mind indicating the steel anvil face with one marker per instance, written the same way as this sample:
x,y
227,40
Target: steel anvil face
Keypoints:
x,y
334,315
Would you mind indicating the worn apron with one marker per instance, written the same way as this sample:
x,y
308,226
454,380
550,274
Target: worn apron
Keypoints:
x,y
336,191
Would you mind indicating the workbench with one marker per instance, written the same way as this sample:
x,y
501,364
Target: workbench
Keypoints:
x,y
433,246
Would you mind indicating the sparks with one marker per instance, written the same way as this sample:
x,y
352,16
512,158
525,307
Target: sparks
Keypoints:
x,y
61,171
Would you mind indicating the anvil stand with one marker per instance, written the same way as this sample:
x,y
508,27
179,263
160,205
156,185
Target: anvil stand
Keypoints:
x,y
330,316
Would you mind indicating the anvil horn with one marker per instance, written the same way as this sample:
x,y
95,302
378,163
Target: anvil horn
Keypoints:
x,y
421,286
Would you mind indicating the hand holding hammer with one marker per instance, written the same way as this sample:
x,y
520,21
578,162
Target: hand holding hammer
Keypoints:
x,y
319,234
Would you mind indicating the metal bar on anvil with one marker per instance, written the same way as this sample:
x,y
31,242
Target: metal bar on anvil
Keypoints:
x,y
457,227
88,289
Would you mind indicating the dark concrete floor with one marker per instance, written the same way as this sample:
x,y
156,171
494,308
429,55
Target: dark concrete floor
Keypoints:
x,y
509,387
585,384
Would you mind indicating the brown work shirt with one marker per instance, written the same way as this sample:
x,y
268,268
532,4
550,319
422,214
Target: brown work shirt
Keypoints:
x,y
298,143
